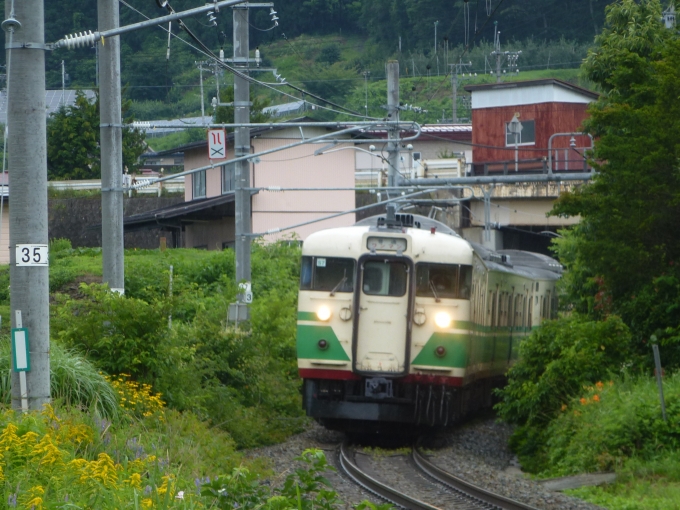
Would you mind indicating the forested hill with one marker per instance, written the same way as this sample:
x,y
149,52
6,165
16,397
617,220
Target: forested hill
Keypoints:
x,y
383,23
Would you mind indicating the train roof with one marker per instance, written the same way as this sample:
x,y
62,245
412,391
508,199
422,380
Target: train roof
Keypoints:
x,y
524,263
421,222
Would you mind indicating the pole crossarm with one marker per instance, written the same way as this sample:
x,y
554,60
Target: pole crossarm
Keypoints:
x,y
325,137
89,38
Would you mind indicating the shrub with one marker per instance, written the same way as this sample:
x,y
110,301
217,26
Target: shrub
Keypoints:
x,y
121,334
556,361
609,423
74,381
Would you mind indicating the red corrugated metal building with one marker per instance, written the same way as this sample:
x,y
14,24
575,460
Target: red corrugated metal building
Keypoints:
x,y
543,107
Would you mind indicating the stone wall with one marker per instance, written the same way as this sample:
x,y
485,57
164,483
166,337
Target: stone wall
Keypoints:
x,y
73,219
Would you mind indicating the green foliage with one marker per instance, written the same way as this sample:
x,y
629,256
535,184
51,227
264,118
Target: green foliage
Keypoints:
x,y
305,489
75,381
122,334
73,141
329,55
241,380
555,362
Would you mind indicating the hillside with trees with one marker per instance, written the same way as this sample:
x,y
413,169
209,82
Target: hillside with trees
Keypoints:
x,y
339,39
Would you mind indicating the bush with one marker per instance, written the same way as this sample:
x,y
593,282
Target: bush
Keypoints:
x,y
556,361
121,334
74,381
610,423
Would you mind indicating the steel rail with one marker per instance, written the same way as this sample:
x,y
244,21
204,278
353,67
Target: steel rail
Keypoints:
x,y
372,485
460,485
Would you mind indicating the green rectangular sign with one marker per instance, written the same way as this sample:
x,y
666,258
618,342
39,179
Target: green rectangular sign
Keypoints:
x,y
20,352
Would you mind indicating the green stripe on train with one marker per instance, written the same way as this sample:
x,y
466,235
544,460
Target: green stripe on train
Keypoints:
x,y
308,343
456,351
307,316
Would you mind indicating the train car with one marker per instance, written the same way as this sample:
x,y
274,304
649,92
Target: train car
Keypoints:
x,y
402,322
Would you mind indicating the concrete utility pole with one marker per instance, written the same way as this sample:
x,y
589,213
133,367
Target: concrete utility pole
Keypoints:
x,y
393,115
111,133
241,148
27,150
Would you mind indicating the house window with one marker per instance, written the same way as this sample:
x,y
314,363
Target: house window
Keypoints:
x,y
416,156
526,137
227,178
198,180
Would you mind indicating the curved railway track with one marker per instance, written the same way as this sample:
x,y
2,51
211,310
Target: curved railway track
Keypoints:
x,y
464,495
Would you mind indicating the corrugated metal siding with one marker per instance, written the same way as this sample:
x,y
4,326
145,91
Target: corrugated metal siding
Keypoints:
x,y
488,135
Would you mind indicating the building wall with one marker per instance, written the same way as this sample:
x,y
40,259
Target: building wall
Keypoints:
x,y
299,168
488,134
527,212
296,167
212,235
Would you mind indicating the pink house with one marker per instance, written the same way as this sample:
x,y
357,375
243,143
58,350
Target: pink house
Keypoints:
x,y
206,218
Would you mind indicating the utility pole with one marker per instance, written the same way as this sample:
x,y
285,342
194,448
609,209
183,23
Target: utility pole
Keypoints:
x,y
456,69
63,84
393,116
111,135
200,74
510,56
366,75
241,148
27,151
435,36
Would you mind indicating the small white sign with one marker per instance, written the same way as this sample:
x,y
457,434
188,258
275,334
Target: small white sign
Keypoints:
x,y
246,292
217,144
320,262
32,255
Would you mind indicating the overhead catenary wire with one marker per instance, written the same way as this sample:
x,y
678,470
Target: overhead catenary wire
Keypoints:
x,y
210,54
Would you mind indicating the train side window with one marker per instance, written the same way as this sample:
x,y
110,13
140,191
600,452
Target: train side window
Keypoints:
x,y
445,281
385,278
465,282
306,274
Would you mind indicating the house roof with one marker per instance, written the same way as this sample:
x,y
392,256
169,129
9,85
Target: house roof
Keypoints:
x,y
274,126
176,215
533,83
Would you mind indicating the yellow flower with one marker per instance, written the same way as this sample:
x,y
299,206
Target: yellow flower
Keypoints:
x,y
48,452
147,503
135,480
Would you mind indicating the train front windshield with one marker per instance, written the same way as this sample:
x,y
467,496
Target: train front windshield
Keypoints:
x,y
331,274
444,281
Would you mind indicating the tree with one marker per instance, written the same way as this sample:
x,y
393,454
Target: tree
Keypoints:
x,y
628,234
73,141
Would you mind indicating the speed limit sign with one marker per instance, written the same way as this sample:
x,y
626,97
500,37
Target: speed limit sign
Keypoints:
x,y
32,255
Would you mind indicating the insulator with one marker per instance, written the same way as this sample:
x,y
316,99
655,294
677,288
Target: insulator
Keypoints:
x,y
274,188
79,40
273,231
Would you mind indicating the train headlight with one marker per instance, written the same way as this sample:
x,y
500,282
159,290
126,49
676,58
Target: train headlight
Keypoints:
x,y
323,313
442,319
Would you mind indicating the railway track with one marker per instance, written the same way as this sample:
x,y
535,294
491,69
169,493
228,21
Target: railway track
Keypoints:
x,y
462,495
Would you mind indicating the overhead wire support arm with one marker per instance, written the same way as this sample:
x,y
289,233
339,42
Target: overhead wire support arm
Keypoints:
x,y
88,38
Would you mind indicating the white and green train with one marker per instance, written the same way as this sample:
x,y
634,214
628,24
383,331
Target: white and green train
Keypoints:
x,y
402,321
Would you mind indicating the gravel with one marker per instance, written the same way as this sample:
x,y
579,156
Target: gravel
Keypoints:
x,y
476,452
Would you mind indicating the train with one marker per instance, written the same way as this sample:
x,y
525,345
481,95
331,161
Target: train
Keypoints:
x,y
402,323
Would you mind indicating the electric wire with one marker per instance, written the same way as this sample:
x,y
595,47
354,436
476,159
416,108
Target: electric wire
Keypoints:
x,y
210,54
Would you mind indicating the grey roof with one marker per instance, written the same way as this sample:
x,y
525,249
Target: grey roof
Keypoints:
x,y
533,83
53,100
151,127
279,110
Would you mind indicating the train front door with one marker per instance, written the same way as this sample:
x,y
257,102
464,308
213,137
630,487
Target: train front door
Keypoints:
x,y
382,329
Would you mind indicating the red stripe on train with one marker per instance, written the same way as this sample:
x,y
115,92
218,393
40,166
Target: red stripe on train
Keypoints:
x,y
346,375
